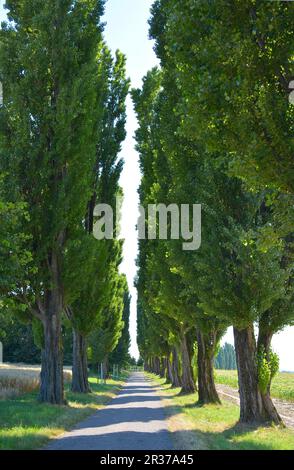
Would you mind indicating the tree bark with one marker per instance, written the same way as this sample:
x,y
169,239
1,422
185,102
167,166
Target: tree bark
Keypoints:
x,y
188,385
106,367
176,382
157,366
151,364
250,399
51,377
206,385
146,366
169,373
80,382
162,367
264,342
52,387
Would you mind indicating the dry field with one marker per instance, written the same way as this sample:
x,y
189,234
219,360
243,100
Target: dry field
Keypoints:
x,y
17,379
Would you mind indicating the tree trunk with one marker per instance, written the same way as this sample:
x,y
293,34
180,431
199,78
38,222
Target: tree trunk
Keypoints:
x,y
254,407
176,382
162,368
188,385
52,387
151,364
250,399
264,342
169,372
51,377
106,367
80,383
157,365
206,385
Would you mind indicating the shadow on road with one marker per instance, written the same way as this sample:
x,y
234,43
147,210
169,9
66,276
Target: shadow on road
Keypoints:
x,y
137,420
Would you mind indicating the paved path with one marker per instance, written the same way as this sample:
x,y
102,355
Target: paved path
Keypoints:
x,y
134,420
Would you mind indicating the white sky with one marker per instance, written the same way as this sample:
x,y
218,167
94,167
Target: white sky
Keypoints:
x,y
127,30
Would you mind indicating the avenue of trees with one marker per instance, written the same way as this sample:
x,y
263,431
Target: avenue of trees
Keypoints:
x,y
216,129
62,122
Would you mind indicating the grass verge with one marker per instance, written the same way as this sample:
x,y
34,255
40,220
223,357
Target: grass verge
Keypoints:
x,y
282,386
215,427
26,424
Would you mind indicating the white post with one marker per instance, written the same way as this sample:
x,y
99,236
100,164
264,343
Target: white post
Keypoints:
x,y
1,353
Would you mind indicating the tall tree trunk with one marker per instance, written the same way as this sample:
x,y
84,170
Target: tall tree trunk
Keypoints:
x,y
151,364
188,385
264,343
162,368
152,368
253,406
51,377
206,385
106,367
157,365
250,399
176,382
52,387
169,372
80,383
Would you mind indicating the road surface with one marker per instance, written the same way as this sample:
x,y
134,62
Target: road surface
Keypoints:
x,y
134,420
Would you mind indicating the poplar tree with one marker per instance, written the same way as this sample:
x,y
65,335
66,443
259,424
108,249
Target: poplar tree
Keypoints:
x,y
48,70
85,312
202,46
105,337
120,356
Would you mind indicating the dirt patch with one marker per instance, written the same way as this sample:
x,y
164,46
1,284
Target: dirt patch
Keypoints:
x,y
284,408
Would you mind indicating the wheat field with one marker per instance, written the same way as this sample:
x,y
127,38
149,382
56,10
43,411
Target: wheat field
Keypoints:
x,y
17,379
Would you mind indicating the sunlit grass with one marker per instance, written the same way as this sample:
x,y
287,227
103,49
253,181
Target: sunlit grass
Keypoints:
x,y
27,424
282,386
215,427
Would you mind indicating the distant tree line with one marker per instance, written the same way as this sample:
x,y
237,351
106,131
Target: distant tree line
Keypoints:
x,y
226,358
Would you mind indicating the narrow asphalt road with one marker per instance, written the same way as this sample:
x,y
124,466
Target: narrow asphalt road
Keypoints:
x,y
134,420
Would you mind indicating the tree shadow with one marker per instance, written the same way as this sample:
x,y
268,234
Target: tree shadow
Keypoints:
x,y
126,424
214,441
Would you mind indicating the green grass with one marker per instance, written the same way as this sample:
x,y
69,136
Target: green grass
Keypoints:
x,y
282,386
26,424
215,427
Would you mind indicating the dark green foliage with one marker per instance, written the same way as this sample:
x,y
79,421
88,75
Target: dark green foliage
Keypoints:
x,y
62,124
140,362
105,336
121,356
18,341
214,129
